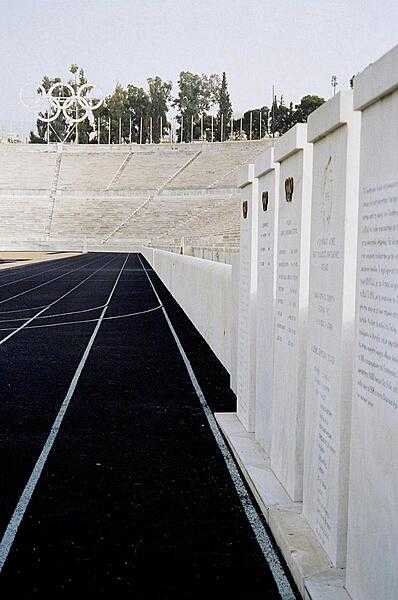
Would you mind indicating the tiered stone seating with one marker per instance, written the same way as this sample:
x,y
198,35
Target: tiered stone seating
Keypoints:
x,y
123,194
149,171
88,171
216,167
24,217
25,170
172,217
91,217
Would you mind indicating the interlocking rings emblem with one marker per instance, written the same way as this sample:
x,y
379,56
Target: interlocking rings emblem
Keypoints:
x,y
76,105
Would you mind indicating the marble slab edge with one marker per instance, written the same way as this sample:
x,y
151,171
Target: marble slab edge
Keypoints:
x,y
308,563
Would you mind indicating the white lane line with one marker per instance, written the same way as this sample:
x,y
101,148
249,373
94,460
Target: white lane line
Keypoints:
x,y
10,335
252,515
27,265
72,312
23,502
17,310
133,314
46,282
32,275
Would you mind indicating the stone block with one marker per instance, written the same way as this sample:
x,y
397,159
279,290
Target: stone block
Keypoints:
x,y
334,130
372,541
267,173
292,273
246,349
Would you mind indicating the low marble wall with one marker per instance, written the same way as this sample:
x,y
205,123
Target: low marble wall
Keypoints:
x,y
320,450
372,549
203,289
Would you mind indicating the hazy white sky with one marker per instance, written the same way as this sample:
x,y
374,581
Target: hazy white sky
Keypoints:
x,y
296,45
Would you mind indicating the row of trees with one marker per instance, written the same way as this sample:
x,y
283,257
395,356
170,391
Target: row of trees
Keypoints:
x,y
203,111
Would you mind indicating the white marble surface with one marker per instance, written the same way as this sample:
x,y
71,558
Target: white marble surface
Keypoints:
x,y
291,313
234,326
203,290
372,549
267,173
307,561
246,347
334,225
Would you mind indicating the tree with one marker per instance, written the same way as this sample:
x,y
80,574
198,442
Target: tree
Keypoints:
x,y
117,111
197,94
224,105
280,117
307,105
159,98
138,106
255,123
61,128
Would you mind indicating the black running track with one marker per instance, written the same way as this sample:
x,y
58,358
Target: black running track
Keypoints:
x,y
134,499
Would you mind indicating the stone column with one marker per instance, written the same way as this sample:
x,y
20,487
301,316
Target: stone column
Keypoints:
x,y
246,350
267,173
334,130
372,545
295,157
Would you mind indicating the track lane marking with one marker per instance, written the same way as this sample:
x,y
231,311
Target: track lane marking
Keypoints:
x,y
30,276
27,266
17,310
19,512
47,282
15,331
133,314
250,510
72,312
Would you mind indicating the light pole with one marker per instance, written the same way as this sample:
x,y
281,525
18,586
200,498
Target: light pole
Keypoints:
x,y
334,84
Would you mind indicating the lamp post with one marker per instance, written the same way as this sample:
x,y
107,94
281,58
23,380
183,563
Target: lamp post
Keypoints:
x,y
334,84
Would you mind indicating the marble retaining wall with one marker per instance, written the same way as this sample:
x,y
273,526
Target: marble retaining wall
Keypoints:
x,y
316,427
203,290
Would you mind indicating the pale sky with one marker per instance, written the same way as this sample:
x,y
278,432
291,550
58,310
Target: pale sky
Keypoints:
x,y
295,45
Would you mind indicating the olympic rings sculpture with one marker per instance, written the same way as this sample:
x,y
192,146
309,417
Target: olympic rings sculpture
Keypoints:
x,y
76,105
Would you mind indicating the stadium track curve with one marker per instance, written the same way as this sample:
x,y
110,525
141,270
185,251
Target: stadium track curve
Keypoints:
x,y
115,479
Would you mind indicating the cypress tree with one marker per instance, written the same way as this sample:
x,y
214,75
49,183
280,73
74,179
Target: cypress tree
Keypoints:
x,y
224,103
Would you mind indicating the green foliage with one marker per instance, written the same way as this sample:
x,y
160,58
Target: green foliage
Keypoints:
x,y
197,94
255,124
307,105
282,118
159,98
135,114
57,130
224,105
